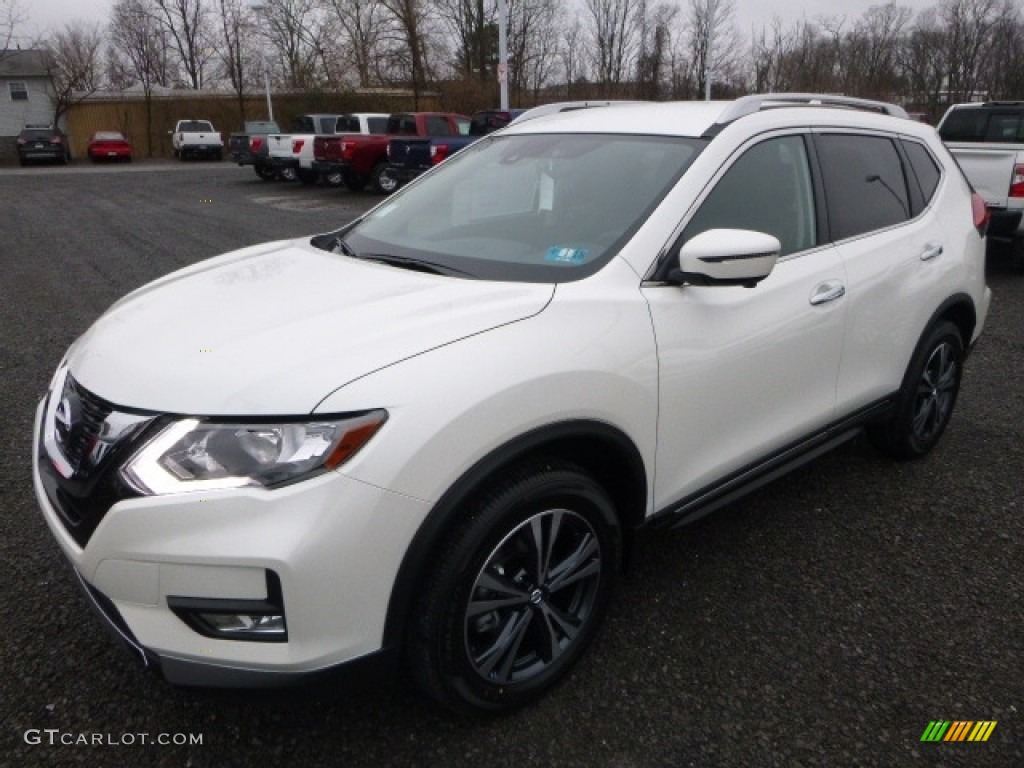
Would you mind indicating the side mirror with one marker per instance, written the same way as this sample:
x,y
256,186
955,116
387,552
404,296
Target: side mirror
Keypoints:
x,y
727,257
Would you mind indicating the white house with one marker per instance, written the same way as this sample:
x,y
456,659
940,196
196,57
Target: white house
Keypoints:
x,y
25,94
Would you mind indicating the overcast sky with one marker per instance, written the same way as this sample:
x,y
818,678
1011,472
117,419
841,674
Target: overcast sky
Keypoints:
x,y
46,15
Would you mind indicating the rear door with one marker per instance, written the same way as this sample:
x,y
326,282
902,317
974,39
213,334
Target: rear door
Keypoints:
x,y
895,252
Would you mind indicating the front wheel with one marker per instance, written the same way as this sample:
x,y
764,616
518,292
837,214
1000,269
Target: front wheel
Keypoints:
x,y
926,399
518,592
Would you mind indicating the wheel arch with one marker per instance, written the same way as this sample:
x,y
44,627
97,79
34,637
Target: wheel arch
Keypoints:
x,y
959,310
600,449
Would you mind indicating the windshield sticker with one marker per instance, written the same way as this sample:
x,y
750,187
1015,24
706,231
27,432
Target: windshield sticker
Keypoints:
x,y
547,193
560,254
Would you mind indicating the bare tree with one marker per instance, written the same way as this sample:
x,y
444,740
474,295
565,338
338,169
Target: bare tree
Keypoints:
x,y
655,50
237,49
713,40
74,64
968,25
12,16
571,54
294,30
411,54
141,52
533,40
615,27
363,26
188,25
473,26
1004,66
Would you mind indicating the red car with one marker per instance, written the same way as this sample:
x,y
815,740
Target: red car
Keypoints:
x,y
109,145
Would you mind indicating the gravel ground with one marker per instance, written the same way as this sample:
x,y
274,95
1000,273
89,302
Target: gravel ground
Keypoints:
x,y
823,621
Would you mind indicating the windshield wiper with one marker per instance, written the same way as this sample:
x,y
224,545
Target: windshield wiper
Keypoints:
x,y
407,262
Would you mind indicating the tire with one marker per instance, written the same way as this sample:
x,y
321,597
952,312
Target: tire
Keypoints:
x,y
264,172
497,623
927,397
307,175
334,179
381,180
354,181
287,174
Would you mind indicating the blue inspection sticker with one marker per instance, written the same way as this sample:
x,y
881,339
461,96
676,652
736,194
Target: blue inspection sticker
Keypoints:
x,y
561,254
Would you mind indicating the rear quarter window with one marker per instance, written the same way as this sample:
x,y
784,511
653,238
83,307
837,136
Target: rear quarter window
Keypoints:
x,y
925,168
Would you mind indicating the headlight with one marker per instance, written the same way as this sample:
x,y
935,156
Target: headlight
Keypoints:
x,y
197,455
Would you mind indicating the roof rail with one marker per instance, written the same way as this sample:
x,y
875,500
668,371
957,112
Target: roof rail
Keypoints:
x,y
565,106
748,105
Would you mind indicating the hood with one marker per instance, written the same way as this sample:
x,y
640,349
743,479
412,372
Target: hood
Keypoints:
x,y
272,330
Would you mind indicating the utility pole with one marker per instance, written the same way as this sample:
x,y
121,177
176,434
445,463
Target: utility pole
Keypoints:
x,y
710,48
260,8
503,51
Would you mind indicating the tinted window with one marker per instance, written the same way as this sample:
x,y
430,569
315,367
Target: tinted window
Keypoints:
x,y
348,124
925,168
438,126
864,184
377,124
402,124
998,125
768,189
303,125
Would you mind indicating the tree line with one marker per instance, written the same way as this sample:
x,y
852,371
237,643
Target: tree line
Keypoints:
x,y
955,50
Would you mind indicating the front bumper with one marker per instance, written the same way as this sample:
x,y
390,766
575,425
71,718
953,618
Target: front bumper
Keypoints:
x,y
334,543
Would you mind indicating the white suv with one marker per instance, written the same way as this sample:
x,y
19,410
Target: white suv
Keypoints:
x,y
426,435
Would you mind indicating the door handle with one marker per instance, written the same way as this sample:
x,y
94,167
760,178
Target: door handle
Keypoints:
x,y
826,292
931,251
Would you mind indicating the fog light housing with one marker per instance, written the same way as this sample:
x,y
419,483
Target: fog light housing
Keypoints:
x,y
261,621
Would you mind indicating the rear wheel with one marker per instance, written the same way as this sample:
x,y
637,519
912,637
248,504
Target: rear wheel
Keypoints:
x,y
382,181
287,174
333,179
518,592
265,173
927,397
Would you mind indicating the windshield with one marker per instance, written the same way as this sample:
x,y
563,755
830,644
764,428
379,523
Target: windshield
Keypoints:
x,y
530,208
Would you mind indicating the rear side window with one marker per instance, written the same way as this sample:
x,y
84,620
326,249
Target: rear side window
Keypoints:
x,y
924,167
377,124
864,183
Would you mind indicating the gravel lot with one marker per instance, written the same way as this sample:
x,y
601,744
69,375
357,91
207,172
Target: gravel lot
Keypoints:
x,y
823,621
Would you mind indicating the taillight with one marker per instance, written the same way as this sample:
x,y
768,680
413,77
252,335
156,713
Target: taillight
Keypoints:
x,y
438,152
297,145
980,211
255,143
55,140
21,141
1017,181
347,149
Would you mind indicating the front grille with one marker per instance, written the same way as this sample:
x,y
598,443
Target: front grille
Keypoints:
x,y
84,440
81,439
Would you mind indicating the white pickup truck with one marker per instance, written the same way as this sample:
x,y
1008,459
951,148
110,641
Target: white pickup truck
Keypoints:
x,y
196,138
291,155
987,140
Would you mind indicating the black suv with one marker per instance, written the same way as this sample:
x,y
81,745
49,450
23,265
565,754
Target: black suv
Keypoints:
x,y
43,143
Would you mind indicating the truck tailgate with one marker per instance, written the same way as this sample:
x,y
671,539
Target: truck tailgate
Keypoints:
x,y
988,168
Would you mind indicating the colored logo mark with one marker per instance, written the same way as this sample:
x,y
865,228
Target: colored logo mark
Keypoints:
x,y
958,730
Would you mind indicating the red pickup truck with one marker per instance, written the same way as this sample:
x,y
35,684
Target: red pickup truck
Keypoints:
x,y
363,159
